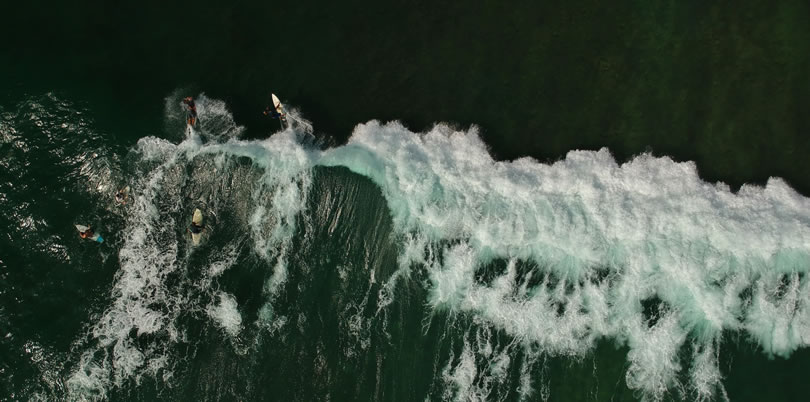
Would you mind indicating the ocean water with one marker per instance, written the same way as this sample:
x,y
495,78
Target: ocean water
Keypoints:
x,y
400,265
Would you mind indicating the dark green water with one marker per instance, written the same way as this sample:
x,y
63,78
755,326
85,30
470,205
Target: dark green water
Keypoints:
x,y
405,267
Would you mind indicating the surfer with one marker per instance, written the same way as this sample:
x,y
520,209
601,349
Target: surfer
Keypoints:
x,y
272,112
195,228
122,195
276,111
87,233
192,110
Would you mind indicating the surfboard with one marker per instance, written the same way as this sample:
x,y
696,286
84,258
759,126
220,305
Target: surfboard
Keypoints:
x,y
197,219
96,237
280,109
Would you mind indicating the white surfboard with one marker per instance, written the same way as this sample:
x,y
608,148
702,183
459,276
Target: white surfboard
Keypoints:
x,y
197,219
96,237
280,109
277,104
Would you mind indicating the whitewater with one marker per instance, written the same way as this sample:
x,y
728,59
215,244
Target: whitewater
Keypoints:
x,y
529,258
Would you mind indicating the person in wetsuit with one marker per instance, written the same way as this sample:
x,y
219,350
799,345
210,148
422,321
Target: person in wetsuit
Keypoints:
x,y
121,197
272,112
192,110
195,228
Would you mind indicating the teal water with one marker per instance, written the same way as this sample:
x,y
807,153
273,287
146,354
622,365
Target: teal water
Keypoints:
x,y
350,258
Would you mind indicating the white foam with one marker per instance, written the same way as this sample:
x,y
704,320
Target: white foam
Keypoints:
x,y
705,373
215,119
226,260
479,368
277,200
90,381
136,335
653,356
142,303
598,239
605,237
226,314
462,377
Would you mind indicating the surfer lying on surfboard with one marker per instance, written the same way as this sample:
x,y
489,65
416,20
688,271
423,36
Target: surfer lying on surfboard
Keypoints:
x,y
87,233
192,111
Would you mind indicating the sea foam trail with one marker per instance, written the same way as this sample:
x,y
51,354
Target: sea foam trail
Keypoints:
x,y
601,240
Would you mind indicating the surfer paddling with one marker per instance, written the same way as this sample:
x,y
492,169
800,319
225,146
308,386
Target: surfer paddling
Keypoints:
x,y
191,118
87,233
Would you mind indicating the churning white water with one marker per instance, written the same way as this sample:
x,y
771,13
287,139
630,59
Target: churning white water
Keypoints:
x,y
583,245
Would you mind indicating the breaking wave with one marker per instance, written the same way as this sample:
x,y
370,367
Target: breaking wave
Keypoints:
x,y
561,255
555,256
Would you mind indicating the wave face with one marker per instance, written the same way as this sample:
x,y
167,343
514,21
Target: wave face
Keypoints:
x,y
401,265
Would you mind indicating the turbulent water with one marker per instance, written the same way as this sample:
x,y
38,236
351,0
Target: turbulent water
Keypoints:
x,y
400,266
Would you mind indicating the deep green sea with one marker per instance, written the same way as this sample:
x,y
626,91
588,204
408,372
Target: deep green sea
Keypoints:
x,y
480,201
